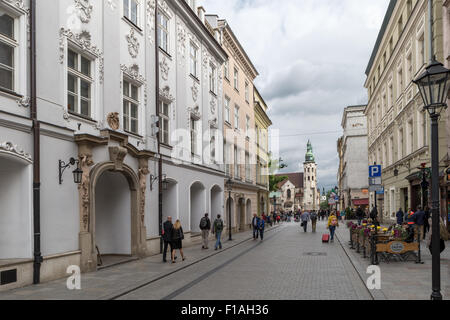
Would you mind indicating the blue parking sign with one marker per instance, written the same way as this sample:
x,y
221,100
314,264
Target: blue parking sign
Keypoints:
x,y
375,171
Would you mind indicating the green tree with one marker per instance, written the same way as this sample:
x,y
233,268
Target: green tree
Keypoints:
x,y
274,166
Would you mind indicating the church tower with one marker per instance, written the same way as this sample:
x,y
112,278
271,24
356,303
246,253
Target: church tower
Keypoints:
x,y
310,193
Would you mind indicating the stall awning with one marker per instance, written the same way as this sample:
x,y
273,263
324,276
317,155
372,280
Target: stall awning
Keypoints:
x,y
360,202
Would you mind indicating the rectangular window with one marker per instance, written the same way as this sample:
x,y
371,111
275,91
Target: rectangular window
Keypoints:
x,y
212,145
409,69
247,92
247,126
400,144
237,173
194,60
194,136
400,82
236,79
247,167
7,48
391,155
236,117
424,128
79,84
163,32
420,51
227,110
130,107
226,158
226,71
164,110
130,10
212,78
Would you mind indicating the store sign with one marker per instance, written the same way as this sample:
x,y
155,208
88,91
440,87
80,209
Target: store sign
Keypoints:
x,y
397,247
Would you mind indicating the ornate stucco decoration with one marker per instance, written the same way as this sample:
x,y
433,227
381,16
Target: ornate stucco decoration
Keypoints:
x,y
164,7
9,147
194,113
213,124
133,72
181,42
20,4
151,20
113,120
84,10
112,4
213,105
143,172
164,66
82,40
85,163
165,94
117,155
194,90
133,44
24,102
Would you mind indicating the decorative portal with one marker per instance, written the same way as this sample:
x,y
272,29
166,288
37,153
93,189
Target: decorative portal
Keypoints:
x,y
83,187
143,172
113,120
14,149
117,155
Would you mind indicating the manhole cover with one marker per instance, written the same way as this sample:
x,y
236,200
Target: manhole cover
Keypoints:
x,y
315,254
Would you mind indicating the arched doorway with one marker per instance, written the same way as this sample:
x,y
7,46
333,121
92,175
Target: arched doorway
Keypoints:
x,y
241,214
15,208
197,205
216,202
115,222
230,205
170,201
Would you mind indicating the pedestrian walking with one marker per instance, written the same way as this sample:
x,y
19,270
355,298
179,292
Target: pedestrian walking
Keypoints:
x,y
419,220
400,216
426,226
167,237
177,240
444,235
205,226
411,226
373,216
255,226
217,231
332,225
261,227
305,217
359,215
313,221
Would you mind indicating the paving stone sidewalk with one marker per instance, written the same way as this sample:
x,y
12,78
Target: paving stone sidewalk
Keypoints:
x,y
110,282
401,280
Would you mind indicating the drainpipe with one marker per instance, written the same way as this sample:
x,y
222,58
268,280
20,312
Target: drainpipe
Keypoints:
x,y
158,136
36,150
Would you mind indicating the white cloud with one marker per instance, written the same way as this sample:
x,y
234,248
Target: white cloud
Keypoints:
x,y
311,56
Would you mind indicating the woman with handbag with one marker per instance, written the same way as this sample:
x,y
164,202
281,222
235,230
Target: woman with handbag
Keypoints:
x,y
177,240
444,236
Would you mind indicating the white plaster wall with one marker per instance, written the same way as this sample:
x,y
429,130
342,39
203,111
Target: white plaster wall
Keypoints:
x,y
113,214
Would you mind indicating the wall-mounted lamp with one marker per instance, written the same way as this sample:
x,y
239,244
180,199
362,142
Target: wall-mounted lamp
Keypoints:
x,y
77,173
165,183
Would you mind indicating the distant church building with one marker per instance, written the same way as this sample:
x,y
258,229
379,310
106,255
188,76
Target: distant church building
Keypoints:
x,y
311,195
299,190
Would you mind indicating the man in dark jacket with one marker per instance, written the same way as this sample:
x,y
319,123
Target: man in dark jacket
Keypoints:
x,y
261,227
400,215
373,216
419,219
205,226
167,236
255,226
359,215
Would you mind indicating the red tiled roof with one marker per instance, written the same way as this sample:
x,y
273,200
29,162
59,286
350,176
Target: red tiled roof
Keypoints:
x,y
295,178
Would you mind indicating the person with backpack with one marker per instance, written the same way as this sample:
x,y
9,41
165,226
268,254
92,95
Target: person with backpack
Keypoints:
x,y
305,217
313,221
255,226
205,226
332,225
261,227
217,231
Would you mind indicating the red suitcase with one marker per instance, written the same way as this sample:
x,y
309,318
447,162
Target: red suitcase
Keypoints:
x,y
326,238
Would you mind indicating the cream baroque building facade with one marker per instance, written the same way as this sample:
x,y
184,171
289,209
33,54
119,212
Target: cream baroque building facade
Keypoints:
x,y
398,127
96,102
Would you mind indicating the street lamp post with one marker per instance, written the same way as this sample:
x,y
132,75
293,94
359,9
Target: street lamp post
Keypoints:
x,y
229,185
433,85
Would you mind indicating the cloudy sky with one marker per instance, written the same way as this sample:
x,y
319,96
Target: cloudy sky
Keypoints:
x,y
311,56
